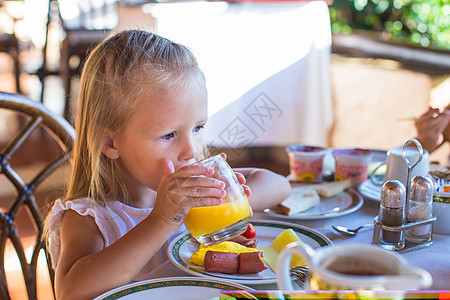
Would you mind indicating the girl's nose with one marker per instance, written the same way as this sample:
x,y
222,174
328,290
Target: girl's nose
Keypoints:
x,y
189,151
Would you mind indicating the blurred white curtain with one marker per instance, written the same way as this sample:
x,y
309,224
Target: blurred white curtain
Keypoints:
x,y
267,68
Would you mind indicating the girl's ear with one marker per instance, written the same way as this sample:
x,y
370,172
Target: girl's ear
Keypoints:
x,y
110,149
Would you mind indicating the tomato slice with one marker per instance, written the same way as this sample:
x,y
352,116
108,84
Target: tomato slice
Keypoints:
x,y
250,233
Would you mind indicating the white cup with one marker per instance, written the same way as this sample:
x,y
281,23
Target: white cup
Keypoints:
x,y
351,267
396,167
441,208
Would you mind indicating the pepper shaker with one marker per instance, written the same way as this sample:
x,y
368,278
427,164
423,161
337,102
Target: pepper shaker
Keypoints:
x,y
392,213
420,209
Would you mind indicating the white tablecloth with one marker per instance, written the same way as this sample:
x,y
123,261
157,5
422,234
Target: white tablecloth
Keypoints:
x,y
267,68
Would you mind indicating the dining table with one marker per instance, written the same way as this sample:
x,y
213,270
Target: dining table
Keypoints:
x,y
352,208
357,206
434,259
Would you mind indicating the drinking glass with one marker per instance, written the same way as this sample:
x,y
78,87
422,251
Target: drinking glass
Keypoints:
x,y
210,225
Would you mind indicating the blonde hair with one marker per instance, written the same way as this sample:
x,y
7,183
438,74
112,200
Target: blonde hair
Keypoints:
x,y
114,75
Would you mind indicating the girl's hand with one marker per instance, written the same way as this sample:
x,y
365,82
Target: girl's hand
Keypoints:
x,y
247,190
179,191
242,180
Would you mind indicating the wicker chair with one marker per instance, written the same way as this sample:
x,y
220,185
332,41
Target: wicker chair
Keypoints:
x,y
34,117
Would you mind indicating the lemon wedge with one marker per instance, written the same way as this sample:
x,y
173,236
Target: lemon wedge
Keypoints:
x,y
282,240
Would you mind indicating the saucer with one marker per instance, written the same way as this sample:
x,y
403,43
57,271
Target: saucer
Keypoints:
x,y
370,190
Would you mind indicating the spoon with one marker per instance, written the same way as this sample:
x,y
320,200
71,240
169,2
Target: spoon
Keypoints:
x,y
348,231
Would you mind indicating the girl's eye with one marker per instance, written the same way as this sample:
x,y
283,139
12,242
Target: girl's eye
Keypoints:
x,y
168,136
198,128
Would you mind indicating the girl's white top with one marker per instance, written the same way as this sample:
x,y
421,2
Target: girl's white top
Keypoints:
x,y
113,221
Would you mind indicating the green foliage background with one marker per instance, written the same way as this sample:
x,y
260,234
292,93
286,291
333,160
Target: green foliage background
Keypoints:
x,y
424,23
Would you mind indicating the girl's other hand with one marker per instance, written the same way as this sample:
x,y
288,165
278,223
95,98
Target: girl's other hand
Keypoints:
x,y
179,191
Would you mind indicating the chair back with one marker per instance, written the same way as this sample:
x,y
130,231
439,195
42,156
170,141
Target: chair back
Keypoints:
x,y
82,24
88,14
33,118
85,23
9,43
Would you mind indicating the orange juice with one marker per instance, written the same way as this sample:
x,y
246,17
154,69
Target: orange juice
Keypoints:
x,y
208,219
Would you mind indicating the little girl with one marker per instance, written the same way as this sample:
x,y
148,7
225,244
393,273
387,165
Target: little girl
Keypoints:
x,y
142,107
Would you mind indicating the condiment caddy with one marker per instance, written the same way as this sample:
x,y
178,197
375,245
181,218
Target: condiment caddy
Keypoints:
x,y
405,218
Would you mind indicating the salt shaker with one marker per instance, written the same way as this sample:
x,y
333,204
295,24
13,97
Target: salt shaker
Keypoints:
x,y
392,213
420,208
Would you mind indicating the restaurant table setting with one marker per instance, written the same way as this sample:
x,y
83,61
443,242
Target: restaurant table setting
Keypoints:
x,y
407,256
182,248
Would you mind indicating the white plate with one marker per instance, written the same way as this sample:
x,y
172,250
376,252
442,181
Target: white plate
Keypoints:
x,y
370,190
171,288
184,245
342,204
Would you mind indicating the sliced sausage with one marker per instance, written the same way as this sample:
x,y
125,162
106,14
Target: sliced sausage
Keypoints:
x,y
222,262
240,239
251,262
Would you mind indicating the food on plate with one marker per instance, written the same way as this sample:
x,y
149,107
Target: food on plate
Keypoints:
x,y
247,238
198,257
305,197
299,201
282,240
332,188
229,263
285,237
250,233
251,262
222,262
234,256
240,239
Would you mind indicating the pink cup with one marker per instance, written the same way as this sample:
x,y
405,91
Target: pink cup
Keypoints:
x,y
351,163
306,163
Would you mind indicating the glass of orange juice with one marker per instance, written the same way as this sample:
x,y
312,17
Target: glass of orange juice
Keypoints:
x,y
210,225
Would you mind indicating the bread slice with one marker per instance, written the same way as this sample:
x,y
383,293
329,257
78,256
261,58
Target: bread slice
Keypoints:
x,y
306,196
300,200
332,188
